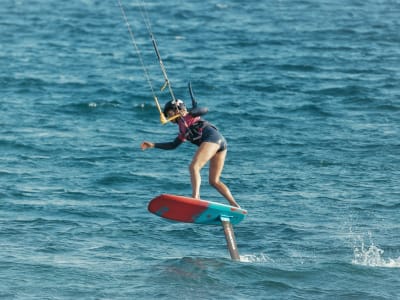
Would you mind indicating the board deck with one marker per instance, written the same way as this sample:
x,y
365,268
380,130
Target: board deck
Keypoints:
x,y
190,210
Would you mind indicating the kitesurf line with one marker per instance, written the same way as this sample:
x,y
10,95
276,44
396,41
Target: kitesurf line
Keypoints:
x,y
145,17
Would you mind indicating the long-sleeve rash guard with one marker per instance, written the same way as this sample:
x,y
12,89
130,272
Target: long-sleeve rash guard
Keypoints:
x,y
169,145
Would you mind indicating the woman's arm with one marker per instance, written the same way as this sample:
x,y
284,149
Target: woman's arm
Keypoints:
x,y
165,146
168,145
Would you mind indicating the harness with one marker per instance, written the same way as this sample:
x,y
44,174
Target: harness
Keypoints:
x,y
195,131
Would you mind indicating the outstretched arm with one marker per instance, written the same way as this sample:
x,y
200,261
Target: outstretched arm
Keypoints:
x,y
165,146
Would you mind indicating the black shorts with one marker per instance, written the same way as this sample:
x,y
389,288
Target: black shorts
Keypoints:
x,y
212,135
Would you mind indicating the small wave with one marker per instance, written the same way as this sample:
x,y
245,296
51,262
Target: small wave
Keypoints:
x,y
222,6
16,145
89,106
311,109
22,82
143,106
341,91
373,257
297,67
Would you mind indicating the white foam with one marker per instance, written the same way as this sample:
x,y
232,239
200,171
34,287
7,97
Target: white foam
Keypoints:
x,y
373,257
255,258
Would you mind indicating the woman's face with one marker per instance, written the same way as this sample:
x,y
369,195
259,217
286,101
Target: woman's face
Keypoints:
x,y
171,113
176,112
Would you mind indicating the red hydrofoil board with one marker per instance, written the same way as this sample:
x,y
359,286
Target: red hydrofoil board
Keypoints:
x,y
190,210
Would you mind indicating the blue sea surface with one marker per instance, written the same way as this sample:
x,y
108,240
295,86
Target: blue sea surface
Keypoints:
x,y
307,94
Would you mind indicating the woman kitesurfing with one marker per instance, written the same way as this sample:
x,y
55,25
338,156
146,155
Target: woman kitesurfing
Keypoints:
x,y
212,145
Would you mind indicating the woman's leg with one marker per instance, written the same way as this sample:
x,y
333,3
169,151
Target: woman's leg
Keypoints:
x,y
216,166
205,152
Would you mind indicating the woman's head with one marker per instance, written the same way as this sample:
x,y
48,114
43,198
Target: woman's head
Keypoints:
x,y
171,108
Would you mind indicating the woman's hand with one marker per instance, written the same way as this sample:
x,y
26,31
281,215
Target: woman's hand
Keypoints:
x,y
146,145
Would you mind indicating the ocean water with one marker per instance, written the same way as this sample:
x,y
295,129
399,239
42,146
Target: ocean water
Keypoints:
x,y
307,94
